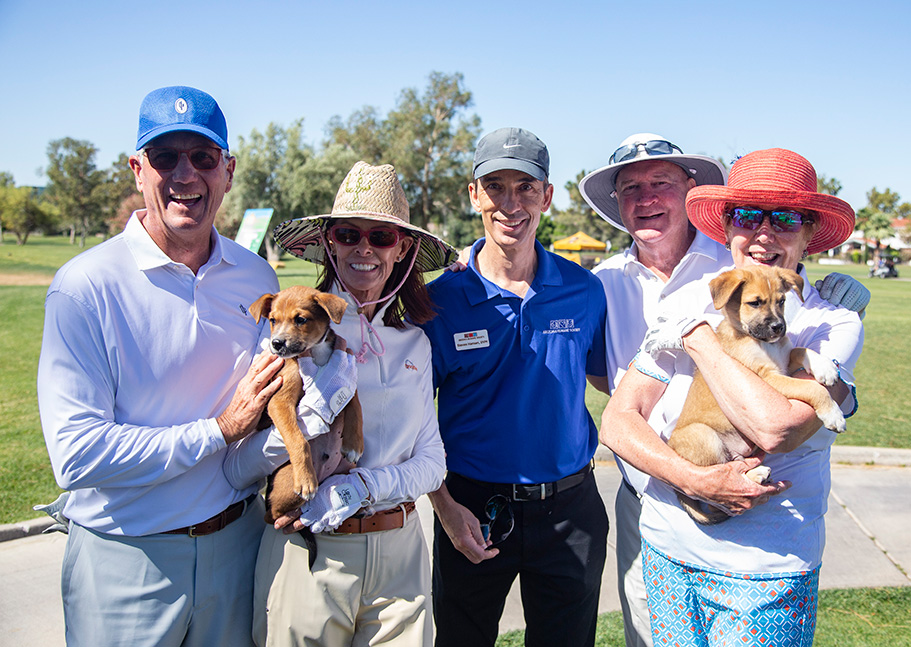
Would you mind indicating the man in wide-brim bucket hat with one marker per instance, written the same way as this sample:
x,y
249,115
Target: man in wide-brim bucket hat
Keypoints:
x,y
775,177
360,196
598,187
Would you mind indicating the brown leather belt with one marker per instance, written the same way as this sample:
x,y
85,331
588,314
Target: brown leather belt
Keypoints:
x,y
385,520
229,515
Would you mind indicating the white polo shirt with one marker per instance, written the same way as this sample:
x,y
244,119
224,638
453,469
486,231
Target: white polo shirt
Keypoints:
x,y
787,534
636,297
139,356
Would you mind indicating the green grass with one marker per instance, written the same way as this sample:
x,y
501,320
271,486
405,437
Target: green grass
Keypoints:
x,y
877,617
883,372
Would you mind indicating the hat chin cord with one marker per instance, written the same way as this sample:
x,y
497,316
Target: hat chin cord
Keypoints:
x,y
361,355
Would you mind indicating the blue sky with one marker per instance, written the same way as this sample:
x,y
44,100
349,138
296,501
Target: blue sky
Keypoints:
x,y
830,80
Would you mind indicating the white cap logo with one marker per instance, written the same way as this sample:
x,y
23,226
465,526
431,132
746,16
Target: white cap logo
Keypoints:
x,y
180,106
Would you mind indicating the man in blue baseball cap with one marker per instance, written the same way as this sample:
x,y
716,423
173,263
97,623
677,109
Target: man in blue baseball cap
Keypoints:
x,y
148,371
515,336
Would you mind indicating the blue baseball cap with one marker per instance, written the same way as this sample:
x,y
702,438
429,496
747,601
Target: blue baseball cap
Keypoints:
x,y
181,108
512,148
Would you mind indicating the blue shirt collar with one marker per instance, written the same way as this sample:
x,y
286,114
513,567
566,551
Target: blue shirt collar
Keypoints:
x,y
481,289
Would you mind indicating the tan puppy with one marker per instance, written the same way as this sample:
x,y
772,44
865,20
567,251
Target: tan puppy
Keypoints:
x,y
753,332
300,318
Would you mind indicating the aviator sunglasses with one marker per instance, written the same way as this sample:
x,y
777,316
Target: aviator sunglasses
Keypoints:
x,y
381,237
652,147
497,508
166,158
782,220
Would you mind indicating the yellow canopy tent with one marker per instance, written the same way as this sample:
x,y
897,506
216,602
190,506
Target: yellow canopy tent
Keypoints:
x,y
578,242
573,246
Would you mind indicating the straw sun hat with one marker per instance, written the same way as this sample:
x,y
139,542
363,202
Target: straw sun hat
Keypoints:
x,y
372,193
773,177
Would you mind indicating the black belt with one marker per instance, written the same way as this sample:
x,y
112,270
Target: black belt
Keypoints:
x,y
535,491
229,515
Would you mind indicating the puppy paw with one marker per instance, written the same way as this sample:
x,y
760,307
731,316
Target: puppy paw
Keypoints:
x,y
759,474
824,370
833,419
352,456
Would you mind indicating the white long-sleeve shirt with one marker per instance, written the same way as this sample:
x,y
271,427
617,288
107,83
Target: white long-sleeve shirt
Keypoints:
x,y
139,356
403,452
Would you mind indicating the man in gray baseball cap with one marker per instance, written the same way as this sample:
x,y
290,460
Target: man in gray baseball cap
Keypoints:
x,y
148,372
515,336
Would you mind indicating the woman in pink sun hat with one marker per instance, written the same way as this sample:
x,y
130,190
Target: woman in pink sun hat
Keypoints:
x,y
752,579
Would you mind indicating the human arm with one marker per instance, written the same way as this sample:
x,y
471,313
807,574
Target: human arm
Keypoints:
x,y
81,396
461,526
762,414
625,430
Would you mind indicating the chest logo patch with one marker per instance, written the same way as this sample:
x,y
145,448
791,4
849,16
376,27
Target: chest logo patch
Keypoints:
x,y
561,326
471,340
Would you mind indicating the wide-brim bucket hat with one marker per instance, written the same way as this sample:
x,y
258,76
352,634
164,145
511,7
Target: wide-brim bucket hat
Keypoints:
x,y
772,177
372,193
598,186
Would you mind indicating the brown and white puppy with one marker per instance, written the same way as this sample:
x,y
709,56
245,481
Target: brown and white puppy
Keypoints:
x,y
300,319
753,332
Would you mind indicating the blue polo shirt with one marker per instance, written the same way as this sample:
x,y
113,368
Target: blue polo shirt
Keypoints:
x,y
510,372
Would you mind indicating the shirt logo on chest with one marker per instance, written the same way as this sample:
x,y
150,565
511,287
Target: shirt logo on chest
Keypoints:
x,y
561,326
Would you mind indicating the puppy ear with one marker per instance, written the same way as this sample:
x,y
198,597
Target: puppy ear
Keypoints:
x,y
793,281
724,286
261,307
333,305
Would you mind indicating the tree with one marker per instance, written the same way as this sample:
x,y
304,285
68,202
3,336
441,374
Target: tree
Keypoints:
x,y
22,212
828,185
278,170
580,216
73,182
430,141
875,220
116,189
6,181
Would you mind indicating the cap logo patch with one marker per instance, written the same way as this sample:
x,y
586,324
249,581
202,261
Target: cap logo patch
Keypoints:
x,y
180,106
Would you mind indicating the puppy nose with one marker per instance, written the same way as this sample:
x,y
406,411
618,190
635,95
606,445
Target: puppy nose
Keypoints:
x,y
278,344
777,327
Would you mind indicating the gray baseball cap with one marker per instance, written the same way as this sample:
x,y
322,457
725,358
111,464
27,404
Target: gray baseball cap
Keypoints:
x,y
512,148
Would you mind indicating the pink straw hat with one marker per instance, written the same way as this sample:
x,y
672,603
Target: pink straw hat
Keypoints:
x,y
773,177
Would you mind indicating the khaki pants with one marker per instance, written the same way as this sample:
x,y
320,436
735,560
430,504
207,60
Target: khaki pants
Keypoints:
x,y
636,622
365,589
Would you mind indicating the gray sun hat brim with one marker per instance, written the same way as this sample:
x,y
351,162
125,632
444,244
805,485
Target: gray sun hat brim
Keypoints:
x,y
597,186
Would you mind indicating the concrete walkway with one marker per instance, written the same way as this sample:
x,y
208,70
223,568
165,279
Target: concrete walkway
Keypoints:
x,y
868,524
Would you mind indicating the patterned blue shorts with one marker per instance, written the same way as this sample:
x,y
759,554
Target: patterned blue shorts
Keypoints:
x,y
695,607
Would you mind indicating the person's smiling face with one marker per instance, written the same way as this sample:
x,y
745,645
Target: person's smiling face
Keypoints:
x,y
363,268
652,199
181,202
510,203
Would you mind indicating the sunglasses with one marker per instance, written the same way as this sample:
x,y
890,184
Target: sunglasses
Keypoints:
x,y
781,220
652,147
166,158
380,237
497,509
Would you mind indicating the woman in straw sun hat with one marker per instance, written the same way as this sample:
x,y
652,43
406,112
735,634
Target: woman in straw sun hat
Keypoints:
x,y
371,578
752,579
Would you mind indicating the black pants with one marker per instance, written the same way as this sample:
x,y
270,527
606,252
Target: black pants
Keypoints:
x,y
557,550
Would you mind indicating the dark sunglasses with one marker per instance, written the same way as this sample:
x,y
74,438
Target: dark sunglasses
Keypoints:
x,y
782,220
166,158
497,509
652,147
380,237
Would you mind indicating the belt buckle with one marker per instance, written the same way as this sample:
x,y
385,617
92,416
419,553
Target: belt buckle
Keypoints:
x,y
527,490
191,531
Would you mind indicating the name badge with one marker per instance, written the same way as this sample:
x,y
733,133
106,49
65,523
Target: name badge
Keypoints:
x,y
471,340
